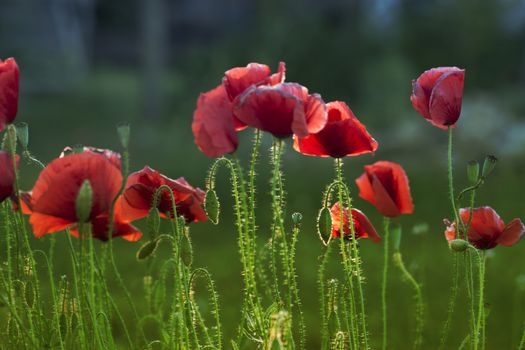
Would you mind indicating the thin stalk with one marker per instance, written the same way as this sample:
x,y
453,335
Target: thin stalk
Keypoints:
x,y
451,303
398,259
339,173
325,335
480,321
386,259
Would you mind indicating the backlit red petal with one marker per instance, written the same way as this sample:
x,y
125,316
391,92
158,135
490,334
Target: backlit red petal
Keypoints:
x,y
512,233
446,98
9,90
213,126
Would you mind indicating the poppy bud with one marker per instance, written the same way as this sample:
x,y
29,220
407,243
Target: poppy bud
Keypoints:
x,y
10,140
473,171
212,206
458,245
324,224
186,251
84,201
153,221
147,249
22,131
488,165
123,131
396,237
297,218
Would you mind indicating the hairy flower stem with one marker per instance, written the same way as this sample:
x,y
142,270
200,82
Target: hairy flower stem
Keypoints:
x,y
451,185
479,336
451,302
280,242
356,257
398,261
325,335
386,259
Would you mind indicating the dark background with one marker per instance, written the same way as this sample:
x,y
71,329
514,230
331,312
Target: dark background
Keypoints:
x,y
87,65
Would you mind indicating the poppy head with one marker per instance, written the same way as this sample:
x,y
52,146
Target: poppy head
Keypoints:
x,y
214,124
437,95
52,203
9,88
343,135
140,190
385,185
7,175
487,229
363,228
282,110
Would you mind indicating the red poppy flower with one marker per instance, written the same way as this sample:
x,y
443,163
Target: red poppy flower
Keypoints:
x,y
343,135
283,109
385,185
437,95
9,87
214,124
363,228
486,229
141,187
7,176
52,203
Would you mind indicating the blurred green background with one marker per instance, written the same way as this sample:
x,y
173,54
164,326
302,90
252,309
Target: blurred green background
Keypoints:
x,y
87,65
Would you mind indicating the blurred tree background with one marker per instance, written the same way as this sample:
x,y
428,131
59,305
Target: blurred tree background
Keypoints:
x,y
87,65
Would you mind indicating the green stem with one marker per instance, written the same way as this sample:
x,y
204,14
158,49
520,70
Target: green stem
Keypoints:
x,y
356,257
386,259
325,336
480,319
451,183
451,303
398,260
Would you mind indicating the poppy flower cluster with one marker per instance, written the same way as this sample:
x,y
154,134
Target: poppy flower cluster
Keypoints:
x,y
253,97
51,205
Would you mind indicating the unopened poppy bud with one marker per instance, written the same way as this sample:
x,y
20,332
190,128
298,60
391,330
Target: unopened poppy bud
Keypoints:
x,y
123,131
473,171
488,165
22,131
396,237
324,224
459,245
212,206
147,249
153,221
84,201
297,218
186,251
10,140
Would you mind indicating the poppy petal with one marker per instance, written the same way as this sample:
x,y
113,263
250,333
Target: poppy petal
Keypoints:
x,y
42,224
366,226
238,79
9,90
213,123
446,98
512,233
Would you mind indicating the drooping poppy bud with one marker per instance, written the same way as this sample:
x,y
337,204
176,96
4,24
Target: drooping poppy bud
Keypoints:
x,y
385,185
9,89
437,95
487,229
363,228
343,135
